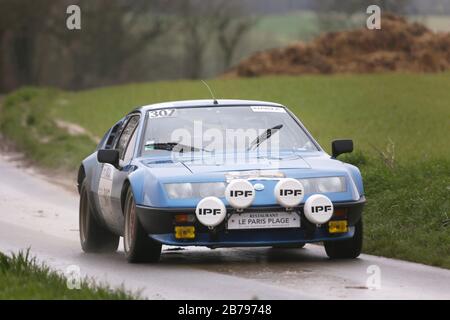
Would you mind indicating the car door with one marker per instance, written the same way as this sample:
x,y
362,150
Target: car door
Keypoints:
x,y
111,179
107,142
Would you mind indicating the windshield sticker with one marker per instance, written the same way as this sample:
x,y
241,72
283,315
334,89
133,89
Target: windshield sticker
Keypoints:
x,y
268,109
163,113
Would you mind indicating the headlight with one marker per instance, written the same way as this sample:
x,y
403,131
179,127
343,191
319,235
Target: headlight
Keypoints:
x,y
331,184
213,189
195,190
323,185
179,190
307,185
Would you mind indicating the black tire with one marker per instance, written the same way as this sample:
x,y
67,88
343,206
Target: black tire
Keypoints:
x,y
139,247
346,249
94,238
290,246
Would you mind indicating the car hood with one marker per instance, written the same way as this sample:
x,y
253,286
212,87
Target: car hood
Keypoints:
x,y
243,163
289,163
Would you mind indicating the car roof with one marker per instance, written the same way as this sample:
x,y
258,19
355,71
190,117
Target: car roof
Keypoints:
x,y
206,103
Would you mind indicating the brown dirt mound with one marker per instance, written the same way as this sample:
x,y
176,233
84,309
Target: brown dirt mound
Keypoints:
x,y
398,46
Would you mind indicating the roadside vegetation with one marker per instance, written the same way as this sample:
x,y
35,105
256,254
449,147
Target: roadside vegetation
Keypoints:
x,y
399,123
21,277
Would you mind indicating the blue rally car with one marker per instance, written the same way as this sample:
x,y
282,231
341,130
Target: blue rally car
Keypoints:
x,y
217,173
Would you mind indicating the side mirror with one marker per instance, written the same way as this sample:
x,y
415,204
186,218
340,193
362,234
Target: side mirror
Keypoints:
x,y
110,156
341,146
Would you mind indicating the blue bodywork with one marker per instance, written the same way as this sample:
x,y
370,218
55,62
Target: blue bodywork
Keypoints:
x,y
146,176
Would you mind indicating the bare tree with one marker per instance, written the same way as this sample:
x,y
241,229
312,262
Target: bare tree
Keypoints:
x,y
197,29
232,25
119,40
223,23
113,33
21,25
38,49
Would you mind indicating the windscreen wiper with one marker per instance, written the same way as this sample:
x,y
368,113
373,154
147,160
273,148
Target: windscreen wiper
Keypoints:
x,y
264,136
170,145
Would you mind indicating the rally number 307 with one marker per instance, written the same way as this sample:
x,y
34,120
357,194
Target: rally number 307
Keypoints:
x,y
163,113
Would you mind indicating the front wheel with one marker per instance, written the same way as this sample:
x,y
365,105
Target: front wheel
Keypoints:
x,y
93,236
346,249
139,247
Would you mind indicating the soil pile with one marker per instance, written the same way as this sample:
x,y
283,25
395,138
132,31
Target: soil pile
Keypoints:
x,y
398,46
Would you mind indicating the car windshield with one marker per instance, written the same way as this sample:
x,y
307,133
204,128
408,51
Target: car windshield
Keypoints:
x,y
231,129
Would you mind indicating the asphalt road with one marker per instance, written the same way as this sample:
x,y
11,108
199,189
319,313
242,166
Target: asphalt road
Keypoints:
x,y
36,213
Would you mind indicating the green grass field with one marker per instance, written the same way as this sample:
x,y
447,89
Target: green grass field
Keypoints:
x,y
399,122
21,277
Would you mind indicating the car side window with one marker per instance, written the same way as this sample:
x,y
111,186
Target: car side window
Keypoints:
x,y
113,134
126,135
129,151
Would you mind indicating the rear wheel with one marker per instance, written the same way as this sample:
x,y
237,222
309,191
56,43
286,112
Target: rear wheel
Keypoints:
x,y
93,236
346,249
139,247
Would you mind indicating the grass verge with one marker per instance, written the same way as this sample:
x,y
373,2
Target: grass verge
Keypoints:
x,y
399,123
21,277
407,212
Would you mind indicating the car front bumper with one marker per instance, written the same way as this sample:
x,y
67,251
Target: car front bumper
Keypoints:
x,y
159,223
